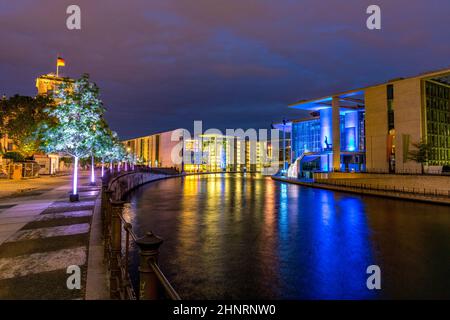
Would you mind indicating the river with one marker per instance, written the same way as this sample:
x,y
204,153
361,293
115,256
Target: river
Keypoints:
x,y
243,236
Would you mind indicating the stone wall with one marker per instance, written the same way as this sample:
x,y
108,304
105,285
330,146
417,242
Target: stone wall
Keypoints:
x,y
126,182
407,181
376,129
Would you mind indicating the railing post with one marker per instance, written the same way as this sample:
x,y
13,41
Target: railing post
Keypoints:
x,y
116,249
108,208
103,203
107,225
149,250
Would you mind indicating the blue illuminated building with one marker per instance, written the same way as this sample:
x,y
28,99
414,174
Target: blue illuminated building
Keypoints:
x,y
372,129
316,147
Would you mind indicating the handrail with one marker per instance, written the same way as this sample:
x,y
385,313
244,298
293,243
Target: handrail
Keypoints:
x,y
128,227
117,254
170,291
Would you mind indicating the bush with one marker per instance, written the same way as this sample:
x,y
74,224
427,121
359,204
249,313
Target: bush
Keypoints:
x,y
14,156
446,168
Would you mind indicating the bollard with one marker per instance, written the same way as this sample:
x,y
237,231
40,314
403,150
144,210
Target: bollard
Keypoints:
x,y
149,250
116,249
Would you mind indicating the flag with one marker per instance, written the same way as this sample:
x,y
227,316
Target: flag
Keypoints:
x,y
60,62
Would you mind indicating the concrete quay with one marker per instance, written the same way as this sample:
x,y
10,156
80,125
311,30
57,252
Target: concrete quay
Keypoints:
x,y
387,187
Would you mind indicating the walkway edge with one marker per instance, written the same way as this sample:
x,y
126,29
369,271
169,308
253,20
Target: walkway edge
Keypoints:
x,y
97,279
365,191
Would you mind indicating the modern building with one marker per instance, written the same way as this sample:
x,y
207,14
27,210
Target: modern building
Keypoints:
x,y
374,128
154,150
206,153
284,143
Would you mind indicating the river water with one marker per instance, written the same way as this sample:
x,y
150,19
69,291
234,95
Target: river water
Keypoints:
x,y
242,236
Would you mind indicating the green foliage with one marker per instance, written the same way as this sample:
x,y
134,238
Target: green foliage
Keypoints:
x,y
20,117
15,156
421,153
103,141
77,115
67,160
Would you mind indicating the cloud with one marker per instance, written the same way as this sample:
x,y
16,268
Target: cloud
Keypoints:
x,y
231,63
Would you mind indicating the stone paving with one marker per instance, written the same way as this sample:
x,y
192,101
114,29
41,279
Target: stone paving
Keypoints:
x,y
34,186
39,239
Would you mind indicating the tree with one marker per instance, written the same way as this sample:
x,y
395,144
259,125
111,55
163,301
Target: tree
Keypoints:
x,y
76,114
421,153
104,144
118,152
20,117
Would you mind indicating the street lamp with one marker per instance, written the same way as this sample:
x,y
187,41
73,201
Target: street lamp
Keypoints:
x,y
284,146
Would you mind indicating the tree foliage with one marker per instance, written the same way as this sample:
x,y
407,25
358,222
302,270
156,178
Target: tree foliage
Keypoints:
x,y
20,117
106,144
420,153
77,114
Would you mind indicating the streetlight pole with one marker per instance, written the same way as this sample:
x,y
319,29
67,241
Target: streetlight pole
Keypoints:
x,y
284,146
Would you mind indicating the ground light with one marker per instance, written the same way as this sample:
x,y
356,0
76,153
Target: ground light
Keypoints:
x,y
92,171
74,195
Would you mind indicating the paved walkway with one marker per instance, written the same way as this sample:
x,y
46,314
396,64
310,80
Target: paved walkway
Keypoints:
x,y
28,187
40,236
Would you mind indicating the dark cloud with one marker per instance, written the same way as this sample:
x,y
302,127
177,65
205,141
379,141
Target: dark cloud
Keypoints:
x,y
232,63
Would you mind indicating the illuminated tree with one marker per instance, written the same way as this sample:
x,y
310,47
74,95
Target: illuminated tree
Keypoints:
x,y
106,146
76,114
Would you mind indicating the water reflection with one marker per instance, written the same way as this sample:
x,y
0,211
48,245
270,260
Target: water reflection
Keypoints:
x,y
242,236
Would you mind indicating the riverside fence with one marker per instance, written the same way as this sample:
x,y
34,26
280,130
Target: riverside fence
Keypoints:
x,y
119,235
347,183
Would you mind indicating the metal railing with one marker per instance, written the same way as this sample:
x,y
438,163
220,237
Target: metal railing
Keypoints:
x,y
402,172
19,170
347,183
5,171
153,284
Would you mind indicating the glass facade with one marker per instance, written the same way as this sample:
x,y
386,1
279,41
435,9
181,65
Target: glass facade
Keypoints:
x,y
353,134
314,136
390,104
305,137
438,122
362,131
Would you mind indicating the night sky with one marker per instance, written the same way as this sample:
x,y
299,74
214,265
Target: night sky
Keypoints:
x,y
162,64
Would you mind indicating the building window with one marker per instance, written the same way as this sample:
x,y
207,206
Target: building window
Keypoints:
x,y
438,122
390,106
306,137
362,130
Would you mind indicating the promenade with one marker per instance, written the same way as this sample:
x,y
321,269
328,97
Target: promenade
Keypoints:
x,y
29,187
41,234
